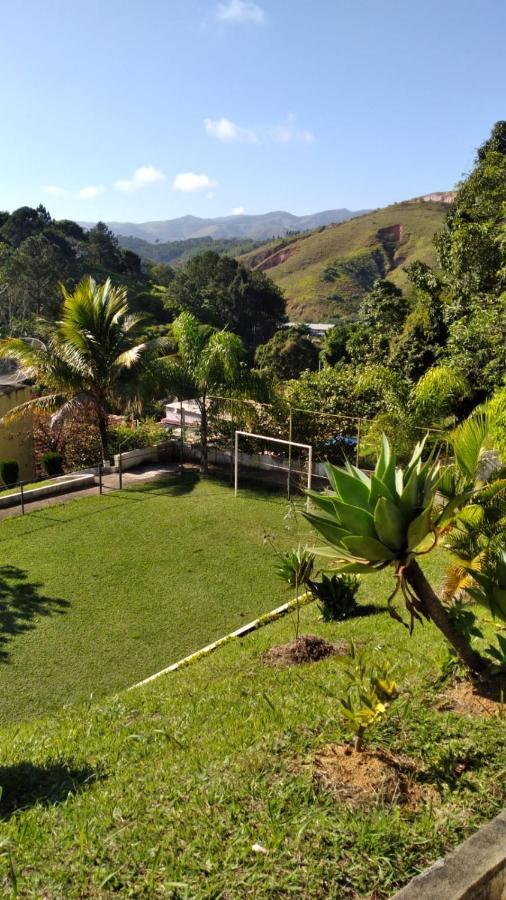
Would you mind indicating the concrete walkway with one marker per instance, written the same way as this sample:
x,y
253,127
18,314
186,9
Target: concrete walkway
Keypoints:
x,y
110,483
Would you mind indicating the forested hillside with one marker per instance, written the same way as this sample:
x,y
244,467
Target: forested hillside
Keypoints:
x,y
177,252
327,272
37,254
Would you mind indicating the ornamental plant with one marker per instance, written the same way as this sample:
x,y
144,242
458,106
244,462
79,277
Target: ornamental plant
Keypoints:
x,y
296,568
390,519
336,596
371,689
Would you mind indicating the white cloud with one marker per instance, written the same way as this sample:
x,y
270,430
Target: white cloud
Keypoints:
x,y
189,181
53,190
89,193
211,195
142,177
225,130
243,12
291,133
238,211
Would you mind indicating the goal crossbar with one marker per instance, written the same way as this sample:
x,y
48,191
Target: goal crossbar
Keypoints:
x,y
272,440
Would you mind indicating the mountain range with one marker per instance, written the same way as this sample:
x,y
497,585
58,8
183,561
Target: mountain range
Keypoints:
x,y
257,228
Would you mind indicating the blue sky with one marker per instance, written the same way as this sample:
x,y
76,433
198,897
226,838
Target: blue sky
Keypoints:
x,y
151,109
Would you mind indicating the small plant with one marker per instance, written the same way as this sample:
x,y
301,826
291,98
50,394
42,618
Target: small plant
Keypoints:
x,y
296,567
52,463
370,692
498,654
336,595
9,472
464,621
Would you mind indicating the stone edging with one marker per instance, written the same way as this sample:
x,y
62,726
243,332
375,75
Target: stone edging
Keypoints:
x,y
238,633
476,870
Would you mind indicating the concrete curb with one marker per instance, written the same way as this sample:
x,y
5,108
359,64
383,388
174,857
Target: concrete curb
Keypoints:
x,y
476,870
238,633
68,484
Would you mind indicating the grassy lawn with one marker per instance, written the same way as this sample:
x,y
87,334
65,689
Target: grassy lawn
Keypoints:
x,y
100,592
164,791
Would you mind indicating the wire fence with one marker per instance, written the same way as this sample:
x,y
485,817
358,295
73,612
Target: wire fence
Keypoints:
x,y
333,437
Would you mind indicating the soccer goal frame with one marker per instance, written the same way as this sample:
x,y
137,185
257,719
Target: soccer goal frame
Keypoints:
x,y
272,440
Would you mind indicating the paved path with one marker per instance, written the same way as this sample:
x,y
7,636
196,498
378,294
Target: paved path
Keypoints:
x,y
110,483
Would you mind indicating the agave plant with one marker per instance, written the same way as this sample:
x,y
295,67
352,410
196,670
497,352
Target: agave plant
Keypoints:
x,y
387,519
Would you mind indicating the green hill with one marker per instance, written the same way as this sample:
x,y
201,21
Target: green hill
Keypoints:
x,y
326,272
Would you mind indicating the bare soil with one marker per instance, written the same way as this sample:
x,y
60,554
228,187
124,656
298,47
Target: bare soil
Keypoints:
x,y
306,649
476,698
368,777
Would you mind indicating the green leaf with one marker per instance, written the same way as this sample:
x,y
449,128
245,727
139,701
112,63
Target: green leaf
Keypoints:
x,y
354,519
324,501
389,523
368,548
349,488
331,531
419,528
357,568
379,489
468,441
409,496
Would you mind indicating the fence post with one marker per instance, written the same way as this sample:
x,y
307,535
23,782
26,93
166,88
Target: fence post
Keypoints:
x,y
181,444
236,463
100,488
290,423
120,470
22,498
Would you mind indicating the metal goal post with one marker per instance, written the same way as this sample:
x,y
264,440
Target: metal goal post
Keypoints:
x,y
272,440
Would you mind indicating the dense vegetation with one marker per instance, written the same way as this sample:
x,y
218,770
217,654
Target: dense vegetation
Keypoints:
x,y
176,252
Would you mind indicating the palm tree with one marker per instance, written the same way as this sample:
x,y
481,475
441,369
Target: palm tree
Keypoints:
x,y
207,360
95,359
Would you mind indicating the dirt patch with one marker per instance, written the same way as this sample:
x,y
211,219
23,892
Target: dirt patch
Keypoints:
x,y
306,649
481,698
369,777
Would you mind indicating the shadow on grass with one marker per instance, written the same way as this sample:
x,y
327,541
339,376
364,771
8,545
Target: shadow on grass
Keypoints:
x,y
20,604
171,486
24,784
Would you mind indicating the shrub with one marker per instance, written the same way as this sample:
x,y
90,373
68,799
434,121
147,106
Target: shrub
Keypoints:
x,y
146,434
336,596
9,472
52,463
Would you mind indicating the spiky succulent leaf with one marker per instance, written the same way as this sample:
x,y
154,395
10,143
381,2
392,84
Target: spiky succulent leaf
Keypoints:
x,y
354,519
419,528
348,488
368,548
330,529
390,524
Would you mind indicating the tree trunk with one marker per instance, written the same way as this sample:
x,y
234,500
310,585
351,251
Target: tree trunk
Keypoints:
x,y
203,436
104,437
437,613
